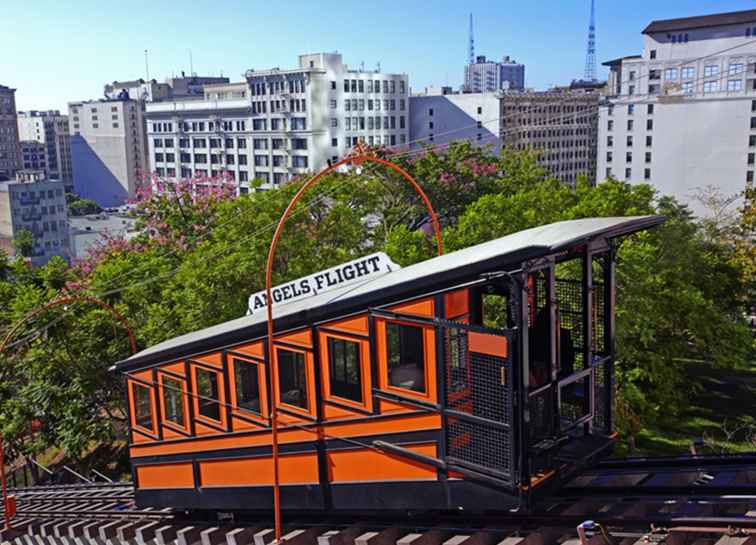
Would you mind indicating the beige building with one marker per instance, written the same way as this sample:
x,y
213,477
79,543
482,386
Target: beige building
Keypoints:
x,y
50,129
108,149
9,149
37,205
560,124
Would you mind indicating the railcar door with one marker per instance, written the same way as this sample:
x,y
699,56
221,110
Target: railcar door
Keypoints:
x,y
478,398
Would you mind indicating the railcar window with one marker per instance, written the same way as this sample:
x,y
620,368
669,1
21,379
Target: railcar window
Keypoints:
x,y
142,406
173,400
292,378
247,386
345,371
406,356
207,390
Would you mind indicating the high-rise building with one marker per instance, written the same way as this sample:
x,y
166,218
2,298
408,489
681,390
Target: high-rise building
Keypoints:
x,y
37,205
278,123
50,129
682,116
33,155
9,149
108,149
560,125
439,116
486,75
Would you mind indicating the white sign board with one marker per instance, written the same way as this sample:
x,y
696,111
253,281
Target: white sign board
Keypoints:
x,y
353,272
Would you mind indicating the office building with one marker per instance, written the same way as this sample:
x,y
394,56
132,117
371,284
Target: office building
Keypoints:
x,y
108,149
279,123
682,115
561,125
33,155
87,231
486,75
439,116
37,205
50,129
9,149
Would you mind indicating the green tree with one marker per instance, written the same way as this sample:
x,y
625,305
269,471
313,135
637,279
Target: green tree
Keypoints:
x,y
23,243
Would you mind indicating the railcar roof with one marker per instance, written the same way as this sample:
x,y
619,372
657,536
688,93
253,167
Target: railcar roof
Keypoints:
x,y
508,251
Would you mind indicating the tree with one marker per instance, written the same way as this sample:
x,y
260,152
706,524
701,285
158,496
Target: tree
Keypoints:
x,y
23,243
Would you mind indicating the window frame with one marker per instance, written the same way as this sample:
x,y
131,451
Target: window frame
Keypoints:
x,y
135,427
170,424
309,363
364,365
264,415
194,365
429,353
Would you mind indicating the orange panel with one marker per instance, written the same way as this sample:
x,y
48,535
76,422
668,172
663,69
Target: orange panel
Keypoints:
x,y
493,345
214,359
176,368
352,325
253,349
457,303
166,476
294,469
386,407
302,338
420,307
369,465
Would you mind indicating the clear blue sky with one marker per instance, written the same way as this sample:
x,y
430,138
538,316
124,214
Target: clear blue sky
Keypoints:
x,y
54,51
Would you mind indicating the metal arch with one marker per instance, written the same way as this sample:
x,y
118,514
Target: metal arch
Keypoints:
x,y
54,303
360,156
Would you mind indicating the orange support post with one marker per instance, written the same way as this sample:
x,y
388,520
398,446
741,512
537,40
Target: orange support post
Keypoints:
x,y
360,156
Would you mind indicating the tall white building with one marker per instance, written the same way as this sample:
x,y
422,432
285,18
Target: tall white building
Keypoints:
x,y
682,116
278,123
108,149
440,116
50,129
486,75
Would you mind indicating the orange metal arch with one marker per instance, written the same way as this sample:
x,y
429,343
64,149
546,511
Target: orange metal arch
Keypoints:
x,y
360,156
8,509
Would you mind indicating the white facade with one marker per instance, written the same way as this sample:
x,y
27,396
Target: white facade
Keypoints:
x,y
279,123
39,206
486,75
440,118
108,149
50,129
682,116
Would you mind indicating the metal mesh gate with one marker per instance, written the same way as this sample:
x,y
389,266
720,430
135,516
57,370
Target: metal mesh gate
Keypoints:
x,y
478,398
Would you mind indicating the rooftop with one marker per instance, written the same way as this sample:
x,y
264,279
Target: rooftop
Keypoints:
x,y
702,21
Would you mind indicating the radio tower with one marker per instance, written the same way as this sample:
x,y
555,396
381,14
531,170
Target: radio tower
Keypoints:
x,y
471,60
590,56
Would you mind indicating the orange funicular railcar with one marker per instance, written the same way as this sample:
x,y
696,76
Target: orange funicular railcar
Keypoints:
x,y
468,381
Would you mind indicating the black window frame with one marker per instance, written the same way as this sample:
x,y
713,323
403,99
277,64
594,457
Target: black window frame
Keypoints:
x,y
403,329
298,376
339,381
138,420
179,391
207,402
251,368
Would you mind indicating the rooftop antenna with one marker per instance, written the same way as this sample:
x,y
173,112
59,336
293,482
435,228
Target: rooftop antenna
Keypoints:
x,y
146,65
191,64
471,59
590,56
378,69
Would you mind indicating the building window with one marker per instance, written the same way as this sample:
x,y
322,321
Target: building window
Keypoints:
x,y
333,85
208,393
142,406
247,379
649,141
649,124
648,156
334,142
609,157
670,74
688,72
199,143
609,141
628,173
749,176
752,140
652,54
650,109
629,141
344,369
610,125
687,88
711,70
430,111
751,158
711,86
630,109
173,400
646,173
405,356
629,157
629,124
735,85
299,161
292,381
735,68
200,158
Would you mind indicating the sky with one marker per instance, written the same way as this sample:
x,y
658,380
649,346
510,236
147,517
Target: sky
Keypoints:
x,y
56,51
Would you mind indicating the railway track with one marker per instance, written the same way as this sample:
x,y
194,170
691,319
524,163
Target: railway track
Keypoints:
x,y
677,501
